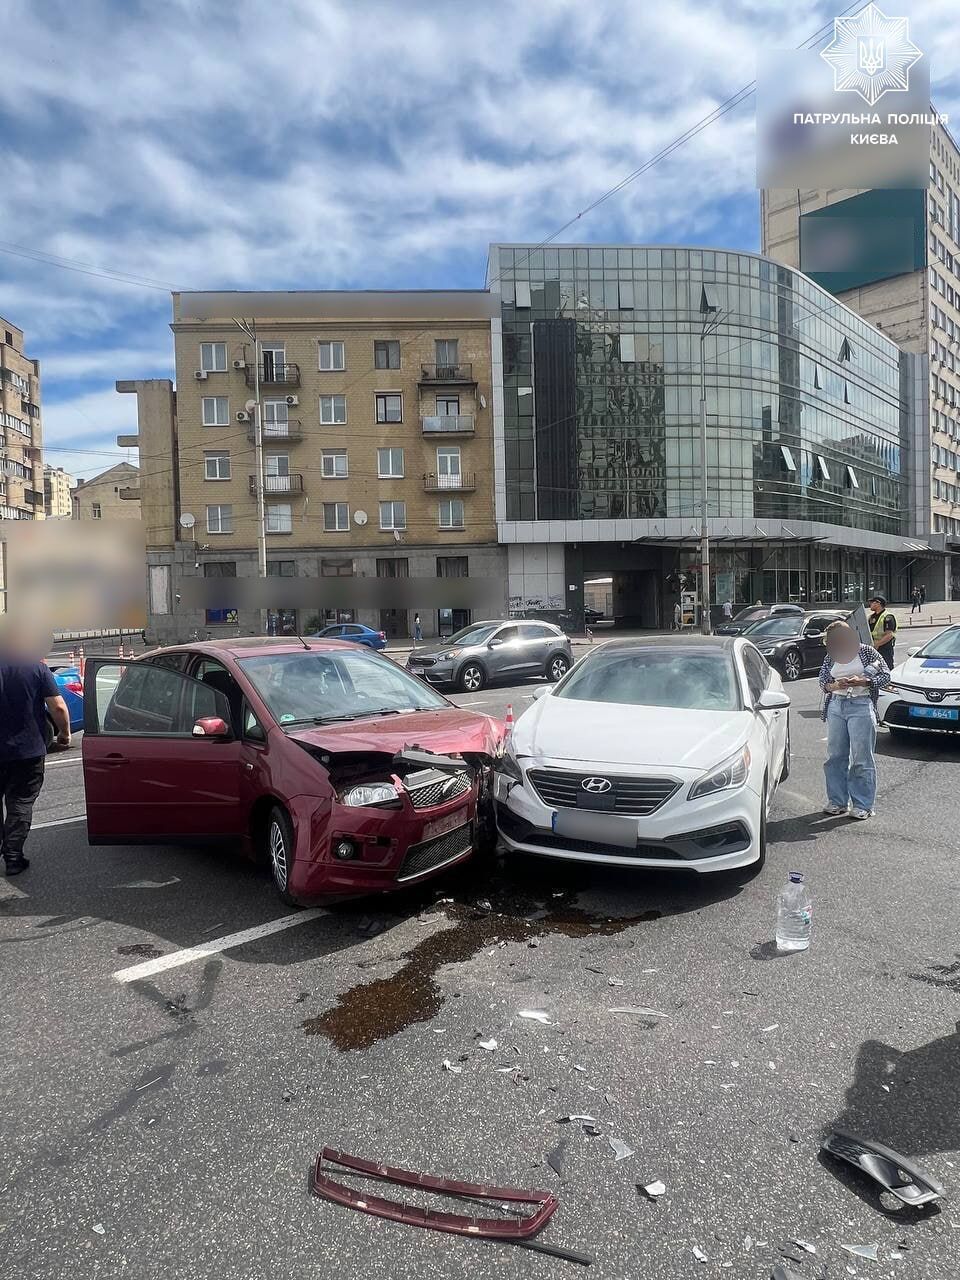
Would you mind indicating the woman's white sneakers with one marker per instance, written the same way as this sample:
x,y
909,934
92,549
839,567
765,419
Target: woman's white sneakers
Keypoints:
x,y
841,811
861,814
835,810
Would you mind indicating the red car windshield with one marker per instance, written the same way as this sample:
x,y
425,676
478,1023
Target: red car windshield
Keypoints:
x,y
318,687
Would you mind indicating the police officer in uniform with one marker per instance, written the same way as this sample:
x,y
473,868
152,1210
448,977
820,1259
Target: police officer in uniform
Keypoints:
x,y
883,629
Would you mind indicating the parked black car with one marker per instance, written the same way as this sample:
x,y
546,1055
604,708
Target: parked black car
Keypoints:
x,y
756,613
794,645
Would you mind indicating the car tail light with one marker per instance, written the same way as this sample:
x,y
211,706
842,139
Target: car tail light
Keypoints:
x,y
73,686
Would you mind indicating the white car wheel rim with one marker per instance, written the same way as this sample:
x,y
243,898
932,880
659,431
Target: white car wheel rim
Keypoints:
x,y
793,666
558,668
278,855
472,678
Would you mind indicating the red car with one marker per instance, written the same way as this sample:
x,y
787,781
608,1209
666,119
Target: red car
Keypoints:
x,y
332,764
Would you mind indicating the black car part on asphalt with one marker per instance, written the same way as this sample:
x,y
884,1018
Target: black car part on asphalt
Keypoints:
x,y
894,1172
511,1229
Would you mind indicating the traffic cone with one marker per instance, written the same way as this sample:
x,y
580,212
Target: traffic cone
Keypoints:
x,y
80,660
508,727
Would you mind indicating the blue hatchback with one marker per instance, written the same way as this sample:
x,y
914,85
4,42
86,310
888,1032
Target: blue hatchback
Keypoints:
x,y
354,631
70,685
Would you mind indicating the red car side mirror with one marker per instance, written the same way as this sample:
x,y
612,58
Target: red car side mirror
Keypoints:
x,y
211,727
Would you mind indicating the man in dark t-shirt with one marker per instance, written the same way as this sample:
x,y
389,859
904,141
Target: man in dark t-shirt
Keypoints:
x,y
27,691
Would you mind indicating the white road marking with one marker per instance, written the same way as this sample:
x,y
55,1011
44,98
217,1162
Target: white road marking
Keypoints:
x,y
59,822
189,954
63,764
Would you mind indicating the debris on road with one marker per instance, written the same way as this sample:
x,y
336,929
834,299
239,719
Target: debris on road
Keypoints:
x,y
544,1202
699,1254
536,1015
894,1172
489,1045
772,1027
452,1067
780,1272
99,1228
556,1156
653,1190
621,1150
616,982
805,1246
870,1251
639,1011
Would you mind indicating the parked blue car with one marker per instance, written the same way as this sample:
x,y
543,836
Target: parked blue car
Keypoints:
x,y
354,631
70,684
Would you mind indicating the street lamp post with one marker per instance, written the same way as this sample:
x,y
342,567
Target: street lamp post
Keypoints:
x,y
711,317
250,330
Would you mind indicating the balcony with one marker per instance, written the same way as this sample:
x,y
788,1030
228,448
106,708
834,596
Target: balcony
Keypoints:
x,y
448,424
433,483
447,375
274,374
278,484
289,432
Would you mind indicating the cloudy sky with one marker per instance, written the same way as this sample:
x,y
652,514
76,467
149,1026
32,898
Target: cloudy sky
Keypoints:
x,y
317,144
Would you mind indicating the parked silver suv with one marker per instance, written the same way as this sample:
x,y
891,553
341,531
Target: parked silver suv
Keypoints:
x,y
485,651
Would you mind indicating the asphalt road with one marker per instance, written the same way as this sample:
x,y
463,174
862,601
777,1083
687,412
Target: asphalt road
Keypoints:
x,y
165,1126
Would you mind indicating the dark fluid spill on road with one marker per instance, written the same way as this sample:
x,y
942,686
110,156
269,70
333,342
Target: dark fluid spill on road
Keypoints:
x,y
376,1010
140,949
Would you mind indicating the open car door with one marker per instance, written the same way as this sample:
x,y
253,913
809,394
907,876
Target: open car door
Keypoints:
x,y
161,759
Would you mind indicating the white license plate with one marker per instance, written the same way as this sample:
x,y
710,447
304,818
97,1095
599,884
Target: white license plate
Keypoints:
x,y
449,822
935,713
602,828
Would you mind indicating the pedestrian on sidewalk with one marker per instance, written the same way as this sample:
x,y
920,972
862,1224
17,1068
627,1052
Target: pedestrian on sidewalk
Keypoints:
x,y
923,594
883,629
27,691
915,598
417,629
852,676
727,610
677,617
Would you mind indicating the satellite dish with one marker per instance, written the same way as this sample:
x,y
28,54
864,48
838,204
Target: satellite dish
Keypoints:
x,y
187,521
483,402
360,518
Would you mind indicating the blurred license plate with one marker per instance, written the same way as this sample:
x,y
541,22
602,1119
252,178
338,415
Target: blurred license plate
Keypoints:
x,y
935,713
440,826
604,828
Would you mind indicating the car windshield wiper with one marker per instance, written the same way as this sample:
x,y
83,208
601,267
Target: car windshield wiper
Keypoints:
x,y
354,715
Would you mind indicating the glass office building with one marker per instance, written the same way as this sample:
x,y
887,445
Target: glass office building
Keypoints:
x,y
597,402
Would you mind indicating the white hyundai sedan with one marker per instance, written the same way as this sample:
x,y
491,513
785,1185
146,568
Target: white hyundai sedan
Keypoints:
x,y
649,753
924,692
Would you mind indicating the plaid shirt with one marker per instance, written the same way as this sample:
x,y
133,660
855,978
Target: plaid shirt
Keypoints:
x,y
874,668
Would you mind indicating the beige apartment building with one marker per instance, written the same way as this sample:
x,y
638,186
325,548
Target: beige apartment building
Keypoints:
x,y
377,423
112,495
915,300
57,493
21,436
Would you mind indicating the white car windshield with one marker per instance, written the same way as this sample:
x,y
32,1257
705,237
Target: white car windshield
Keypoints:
x,y
945,645
677,677
317,687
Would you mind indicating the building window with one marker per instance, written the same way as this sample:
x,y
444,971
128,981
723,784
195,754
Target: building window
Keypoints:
x,y
788,458
96,512
220,569
333,464
390,464
216,466
393,515
336,568
449,475
276,418
216,411
447,352
213,357
448,406
333,410
220,519
386,355
451,513
824,469
453,567
279,517
394,567
331,357
523,294
282,569
389,407
336,517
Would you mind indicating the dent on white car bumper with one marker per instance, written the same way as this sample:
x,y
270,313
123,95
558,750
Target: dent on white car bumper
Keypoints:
x,y
716,833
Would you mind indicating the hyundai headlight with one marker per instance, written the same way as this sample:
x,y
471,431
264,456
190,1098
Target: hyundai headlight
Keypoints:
x,y
371,795
726,777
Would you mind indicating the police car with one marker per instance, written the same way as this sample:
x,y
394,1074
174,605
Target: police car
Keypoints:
x,y
924,691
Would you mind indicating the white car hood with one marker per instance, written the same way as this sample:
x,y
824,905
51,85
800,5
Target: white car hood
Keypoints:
x,y
929,673
594,733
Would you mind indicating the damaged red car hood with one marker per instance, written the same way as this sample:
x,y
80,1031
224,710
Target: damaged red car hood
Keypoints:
x,y
451,731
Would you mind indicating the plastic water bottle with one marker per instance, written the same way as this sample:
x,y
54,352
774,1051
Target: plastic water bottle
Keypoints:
x,y
794,915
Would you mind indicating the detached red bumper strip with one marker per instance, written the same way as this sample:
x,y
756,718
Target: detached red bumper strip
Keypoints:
x,y
460,1224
